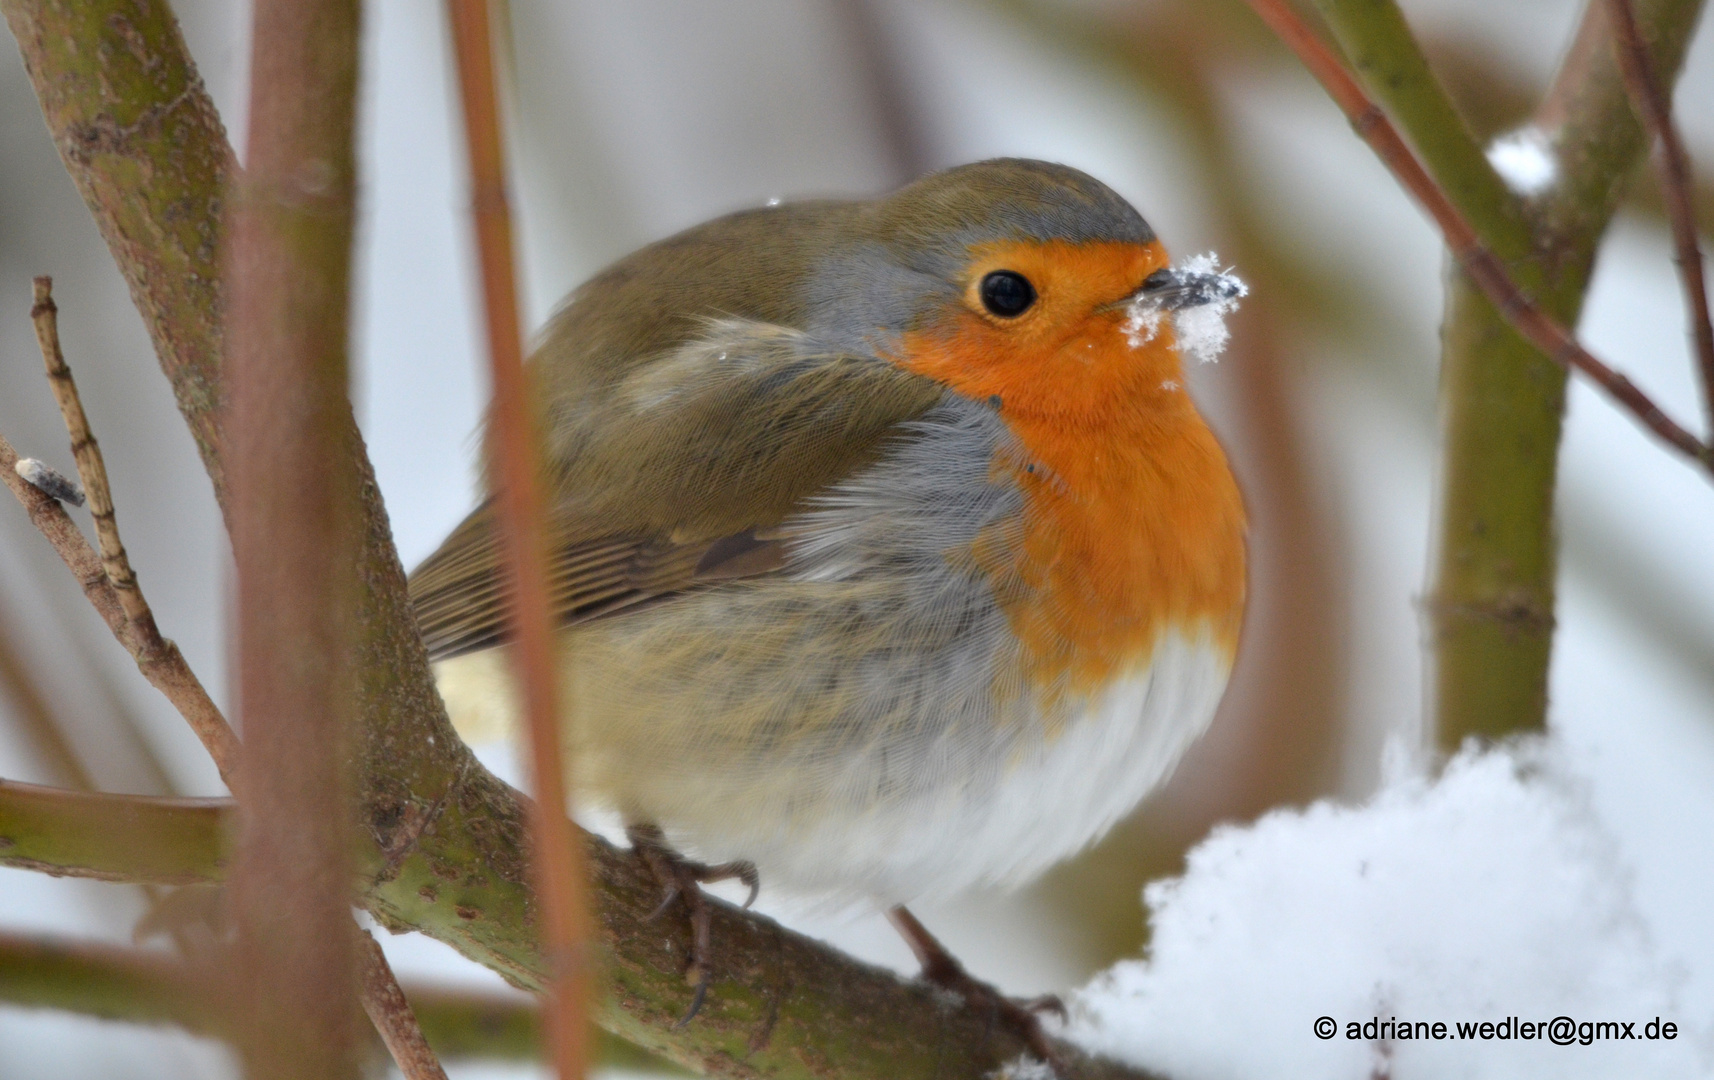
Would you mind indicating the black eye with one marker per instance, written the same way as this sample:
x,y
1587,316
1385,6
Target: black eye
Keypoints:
x,y
1007,293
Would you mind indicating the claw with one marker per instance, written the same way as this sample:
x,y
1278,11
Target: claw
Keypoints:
x,y
696,1001
672,893
943,969
744,871
681,879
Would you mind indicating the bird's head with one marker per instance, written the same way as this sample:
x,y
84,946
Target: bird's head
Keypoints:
x,y
1018,282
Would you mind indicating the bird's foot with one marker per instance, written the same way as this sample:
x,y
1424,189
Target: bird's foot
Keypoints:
x,y
1022,1017
682,879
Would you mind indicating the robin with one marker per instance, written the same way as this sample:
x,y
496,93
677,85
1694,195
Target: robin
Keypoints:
x,y
891,554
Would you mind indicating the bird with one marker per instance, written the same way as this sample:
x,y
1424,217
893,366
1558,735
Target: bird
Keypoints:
x,y
890,555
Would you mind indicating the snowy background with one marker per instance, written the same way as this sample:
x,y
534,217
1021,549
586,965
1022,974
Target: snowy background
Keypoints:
x,y
1565,876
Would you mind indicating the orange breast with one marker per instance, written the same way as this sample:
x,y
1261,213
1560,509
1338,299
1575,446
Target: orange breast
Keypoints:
x,y
1126,532
1132,521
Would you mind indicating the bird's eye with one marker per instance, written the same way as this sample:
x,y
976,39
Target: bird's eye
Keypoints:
x,y
1007,293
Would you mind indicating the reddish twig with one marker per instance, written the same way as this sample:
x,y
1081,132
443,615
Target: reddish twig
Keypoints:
x,y
1677,189
158,658
393,1016
558,869
1483,267
293,508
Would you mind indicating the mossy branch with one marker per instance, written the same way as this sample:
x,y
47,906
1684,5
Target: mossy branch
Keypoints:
x,y
1490,605
114,837
800,1007
441,842
1381,49
141,987
106,981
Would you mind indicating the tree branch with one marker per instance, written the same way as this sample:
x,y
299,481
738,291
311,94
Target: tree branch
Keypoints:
x,y
1381,48
442,842
161,663
91,469
138,838
1673,165
1484,268
819,1026
158,658
292,512
106,981
384,1000
1490,605
149,988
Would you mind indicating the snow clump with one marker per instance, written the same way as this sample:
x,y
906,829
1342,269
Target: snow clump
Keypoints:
x,y
1489,893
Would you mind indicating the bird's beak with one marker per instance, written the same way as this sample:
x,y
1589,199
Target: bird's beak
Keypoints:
x,y
1168,289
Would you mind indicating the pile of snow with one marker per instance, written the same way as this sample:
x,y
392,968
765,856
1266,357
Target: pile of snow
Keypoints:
x,y
1489,893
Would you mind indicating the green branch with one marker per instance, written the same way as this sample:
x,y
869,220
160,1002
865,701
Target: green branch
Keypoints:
x,y
141,987
134,838
1491,601
778,990
1490,605
1381,49
106,981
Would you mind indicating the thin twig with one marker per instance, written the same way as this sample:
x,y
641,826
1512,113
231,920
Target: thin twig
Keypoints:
x,y
55,525
560,874
108,581
392,1014
1484,269
92,470
1677,188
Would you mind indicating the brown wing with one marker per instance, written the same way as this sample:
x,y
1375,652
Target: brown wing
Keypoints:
x,y
674,471
460,591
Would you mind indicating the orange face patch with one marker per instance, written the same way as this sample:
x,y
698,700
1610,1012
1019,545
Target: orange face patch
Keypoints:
x,y
1132,522
1063,355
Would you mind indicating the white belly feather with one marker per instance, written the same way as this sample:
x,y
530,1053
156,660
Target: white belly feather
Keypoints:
x,y
1057,795
1020,803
